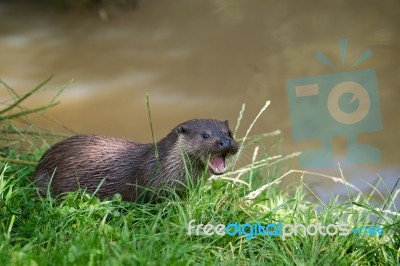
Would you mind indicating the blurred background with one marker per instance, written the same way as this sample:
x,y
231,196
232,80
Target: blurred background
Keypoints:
x,y
201,59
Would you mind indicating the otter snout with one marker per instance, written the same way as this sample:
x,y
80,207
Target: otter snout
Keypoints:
x,y
228,145
223,143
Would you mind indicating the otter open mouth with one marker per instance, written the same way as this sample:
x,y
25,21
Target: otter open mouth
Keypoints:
x,y
217,164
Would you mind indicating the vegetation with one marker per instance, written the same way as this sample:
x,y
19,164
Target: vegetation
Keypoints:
x,y
79,229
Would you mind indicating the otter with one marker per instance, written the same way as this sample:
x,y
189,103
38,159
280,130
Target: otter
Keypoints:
x,y
107,165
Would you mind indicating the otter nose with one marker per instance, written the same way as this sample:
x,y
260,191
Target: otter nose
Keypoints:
x,y
224,143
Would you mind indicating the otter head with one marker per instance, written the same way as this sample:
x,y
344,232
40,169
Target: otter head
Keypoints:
x,y
208,142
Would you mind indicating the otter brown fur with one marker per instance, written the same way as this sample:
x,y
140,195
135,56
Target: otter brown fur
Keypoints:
x,y
108,165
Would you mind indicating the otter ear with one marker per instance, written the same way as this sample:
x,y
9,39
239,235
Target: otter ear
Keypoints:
x,y
182,129
226,123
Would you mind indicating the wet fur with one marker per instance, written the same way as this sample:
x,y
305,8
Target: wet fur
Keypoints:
x,y
110,165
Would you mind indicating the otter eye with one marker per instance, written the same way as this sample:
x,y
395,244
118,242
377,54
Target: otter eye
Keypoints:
x,y
206,136
229,134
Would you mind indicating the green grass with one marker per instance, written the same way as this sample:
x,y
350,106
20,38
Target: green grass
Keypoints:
x,y
79,229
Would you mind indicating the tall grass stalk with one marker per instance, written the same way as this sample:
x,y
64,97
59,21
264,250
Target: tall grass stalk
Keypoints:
x,y
16,129
80,229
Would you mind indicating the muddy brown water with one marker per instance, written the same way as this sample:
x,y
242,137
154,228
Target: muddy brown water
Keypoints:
x,y
201,59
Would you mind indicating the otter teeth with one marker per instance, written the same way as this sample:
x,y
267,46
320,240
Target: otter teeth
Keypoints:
x,y
217,164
